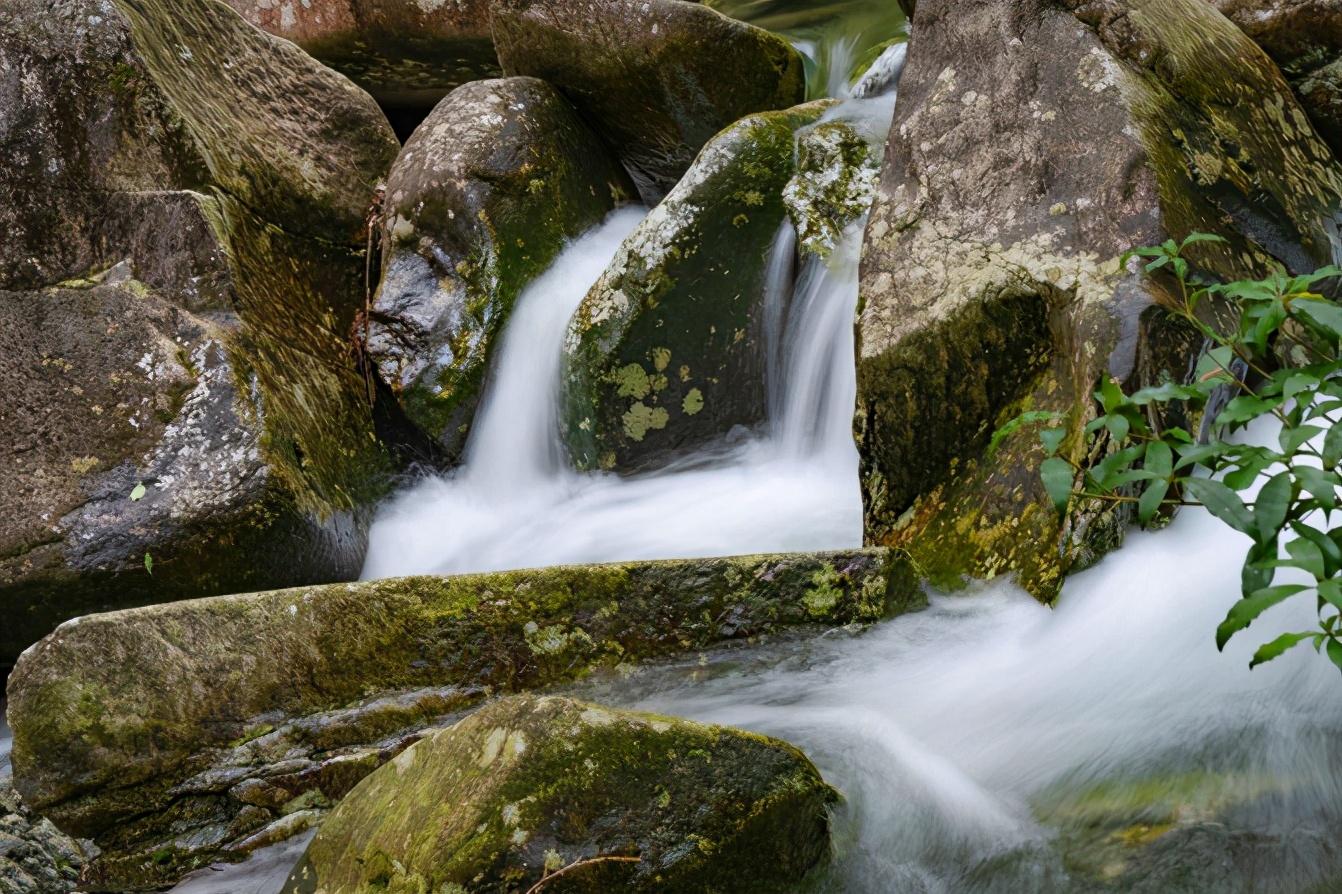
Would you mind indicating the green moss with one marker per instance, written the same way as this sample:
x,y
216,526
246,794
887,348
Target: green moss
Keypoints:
x,y
823,594
686,284
833,186
528,783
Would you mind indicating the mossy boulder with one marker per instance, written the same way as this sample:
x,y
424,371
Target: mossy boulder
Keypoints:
x,y
1033,144
407,53
665,352
527,786
1304,38
182,202
480,200
175,734
656,78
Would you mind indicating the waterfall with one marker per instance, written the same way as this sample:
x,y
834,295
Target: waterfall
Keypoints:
x,y
515,502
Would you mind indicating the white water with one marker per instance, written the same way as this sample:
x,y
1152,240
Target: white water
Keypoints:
x,y
967,737
515,502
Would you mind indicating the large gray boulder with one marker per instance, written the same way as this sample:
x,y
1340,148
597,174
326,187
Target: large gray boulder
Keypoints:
x,y
529,786
656,78
182,198
176,734
407,53
1034,143
480,200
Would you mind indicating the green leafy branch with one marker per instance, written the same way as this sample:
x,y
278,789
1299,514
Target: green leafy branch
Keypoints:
x,y
1279,358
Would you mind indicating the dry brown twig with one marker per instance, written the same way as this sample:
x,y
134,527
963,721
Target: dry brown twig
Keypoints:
x,y
578,864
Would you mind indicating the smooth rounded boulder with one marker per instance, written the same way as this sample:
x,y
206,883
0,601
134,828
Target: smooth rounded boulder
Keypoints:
x,y
669,349
184,203
480,201
665,352
618,800
656,78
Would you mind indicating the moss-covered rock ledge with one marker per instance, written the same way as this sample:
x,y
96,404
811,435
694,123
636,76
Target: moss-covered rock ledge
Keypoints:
x,y
176,734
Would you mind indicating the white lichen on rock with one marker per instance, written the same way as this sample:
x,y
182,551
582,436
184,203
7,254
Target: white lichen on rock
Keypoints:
x,y
834,184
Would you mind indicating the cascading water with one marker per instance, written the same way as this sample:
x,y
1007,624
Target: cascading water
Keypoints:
x,y
987,744
516,503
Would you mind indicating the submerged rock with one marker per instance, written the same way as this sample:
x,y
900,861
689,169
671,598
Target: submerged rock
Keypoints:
x,y
174,734
664,352
527,786
1032,146
1304,38
182,202
480,201
656,78
35,858
407,53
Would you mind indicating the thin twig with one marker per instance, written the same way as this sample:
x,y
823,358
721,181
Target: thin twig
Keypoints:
x,y
578,864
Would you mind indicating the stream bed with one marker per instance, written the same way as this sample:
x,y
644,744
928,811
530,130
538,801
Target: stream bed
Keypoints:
x,y
985,744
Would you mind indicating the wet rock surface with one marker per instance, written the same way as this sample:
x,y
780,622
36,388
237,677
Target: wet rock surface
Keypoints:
x,y
665,351
407,54
527,786
480,201
183,198
656,78
1033,145
176,734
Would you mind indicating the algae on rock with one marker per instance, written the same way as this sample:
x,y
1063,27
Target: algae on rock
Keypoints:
x,y
481,200
834,184
1304,38
991,281
528,785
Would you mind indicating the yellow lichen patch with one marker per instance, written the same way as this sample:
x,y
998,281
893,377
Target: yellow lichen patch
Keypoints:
x,y
661,358
693,402
640,419
632,381
1141,834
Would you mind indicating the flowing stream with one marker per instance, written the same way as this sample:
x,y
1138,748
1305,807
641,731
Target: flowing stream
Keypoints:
x,y
515,501
992,744
985,744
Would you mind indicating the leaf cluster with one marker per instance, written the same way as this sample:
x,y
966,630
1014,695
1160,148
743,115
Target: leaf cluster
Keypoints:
x,y
1284,495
